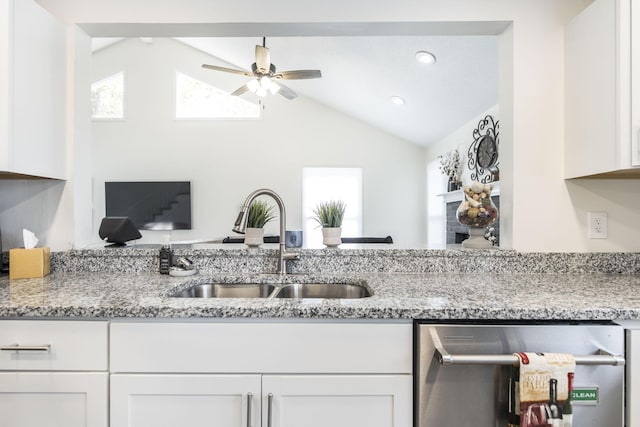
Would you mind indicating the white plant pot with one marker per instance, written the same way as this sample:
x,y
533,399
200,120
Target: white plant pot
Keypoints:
x,y
254,237
331,236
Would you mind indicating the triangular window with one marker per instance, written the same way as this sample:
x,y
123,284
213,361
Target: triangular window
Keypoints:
x,y
196,99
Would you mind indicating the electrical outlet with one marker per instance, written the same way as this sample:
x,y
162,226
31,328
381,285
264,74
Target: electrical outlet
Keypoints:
x,y
597,225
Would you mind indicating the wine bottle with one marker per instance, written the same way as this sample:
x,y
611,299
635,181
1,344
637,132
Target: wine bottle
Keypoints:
x,y
514,397
567,406
554,415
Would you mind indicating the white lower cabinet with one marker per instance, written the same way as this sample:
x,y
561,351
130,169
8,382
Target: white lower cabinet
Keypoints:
x,y
146,400
53,373
205,373
185,400
336,400
35,399
262,374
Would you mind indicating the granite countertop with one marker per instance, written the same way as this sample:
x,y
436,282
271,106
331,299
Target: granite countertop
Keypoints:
x,y
437,295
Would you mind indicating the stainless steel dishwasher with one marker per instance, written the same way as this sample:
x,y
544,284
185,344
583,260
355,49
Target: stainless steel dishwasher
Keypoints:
x,y
461,370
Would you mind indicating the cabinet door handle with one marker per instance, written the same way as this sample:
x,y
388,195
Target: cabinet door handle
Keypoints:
x,y
269,407
249,398
18,347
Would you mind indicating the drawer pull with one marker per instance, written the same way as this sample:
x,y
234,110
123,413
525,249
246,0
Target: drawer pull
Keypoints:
x,y
269,408
249,397
18,347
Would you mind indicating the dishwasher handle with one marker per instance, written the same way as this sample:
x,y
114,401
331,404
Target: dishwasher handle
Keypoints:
x,y
445,358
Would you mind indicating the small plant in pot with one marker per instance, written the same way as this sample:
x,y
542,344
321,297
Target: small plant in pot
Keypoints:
x,y
260,213
330,215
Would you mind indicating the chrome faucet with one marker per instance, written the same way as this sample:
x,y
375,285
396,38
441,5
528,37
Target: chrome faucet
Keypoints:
x,y
240,226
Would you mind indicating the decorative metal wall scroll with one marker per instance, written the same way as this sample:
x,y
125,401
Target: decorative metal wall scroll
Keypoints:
x,y
483,152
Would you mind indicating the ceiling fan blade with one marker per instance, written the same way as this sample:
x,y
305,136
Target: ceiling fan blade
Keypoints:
x,y
285,91
242,89
263,59
227,70
298,74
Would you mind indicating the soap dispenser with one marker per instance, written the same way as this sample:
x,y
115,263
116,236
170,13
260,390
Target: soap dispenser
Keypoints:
x,y
166,258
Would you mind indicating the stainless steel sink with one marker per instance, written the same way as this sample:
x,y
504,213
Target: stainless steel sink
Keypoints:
x,y
227,290
322,290
265,290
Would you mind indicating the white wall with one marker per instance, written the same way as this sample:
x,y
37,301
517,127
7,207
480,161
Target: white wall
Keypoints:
x,y
75,203
32,204
227,159
619,198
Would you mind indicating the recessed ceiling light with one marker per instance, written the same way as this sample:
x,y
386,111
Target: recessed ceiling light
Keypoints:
x,y
397,100
425,57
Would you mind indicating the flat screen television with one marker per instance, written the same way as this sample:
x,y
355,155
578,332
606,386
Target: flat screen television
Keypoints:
x,y
150,205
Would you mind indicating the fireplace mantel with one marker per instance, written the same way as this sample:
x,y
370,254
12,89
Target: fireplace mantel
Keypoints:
x,y
456,196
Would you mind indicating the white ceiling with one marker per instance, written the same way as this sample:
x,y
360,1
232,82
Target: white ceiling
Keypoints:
x,y
361,73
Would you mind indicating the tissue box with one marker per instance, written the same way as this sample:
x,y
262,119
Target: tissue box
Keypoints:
x,y
29,263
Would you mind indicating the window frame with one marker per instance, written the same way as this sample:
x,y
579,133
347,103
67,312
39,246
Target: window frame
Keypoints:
x,y
357,217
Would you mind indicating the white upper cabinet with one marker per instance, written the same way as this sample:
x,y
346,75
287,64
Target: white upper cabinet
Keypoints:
x,y
635,84
602,113
33,75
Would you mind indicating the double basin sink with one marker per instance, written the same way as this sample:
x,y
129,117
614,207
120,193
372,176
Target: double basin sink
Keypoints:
x,y
268,290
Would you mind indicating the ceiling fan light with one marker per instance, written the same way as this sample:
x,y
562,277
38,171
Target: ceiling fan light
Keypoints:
x,y
261,91
268,85
253,85
425,57
397,100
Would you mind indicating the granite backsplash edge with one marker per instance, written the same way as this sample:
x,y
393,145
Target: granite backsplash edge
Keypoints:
x,y
344,261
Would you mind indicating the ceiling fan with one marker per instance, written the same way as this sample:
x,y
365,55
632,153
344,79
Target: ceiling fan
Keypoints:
x,y
266,79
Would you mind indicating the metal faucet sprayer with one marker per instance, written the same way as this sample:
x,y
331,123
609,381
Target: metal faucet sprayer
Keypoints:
x,y
240,226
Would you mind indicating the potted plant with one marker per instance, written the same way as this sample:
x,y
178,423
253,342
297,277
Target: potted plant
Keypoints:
x,y
330,215
260,213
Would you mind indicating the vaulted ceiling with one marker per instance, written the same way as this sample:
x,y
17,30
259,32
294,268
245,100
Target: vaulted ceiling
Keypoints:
x,y
360,74
363,64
